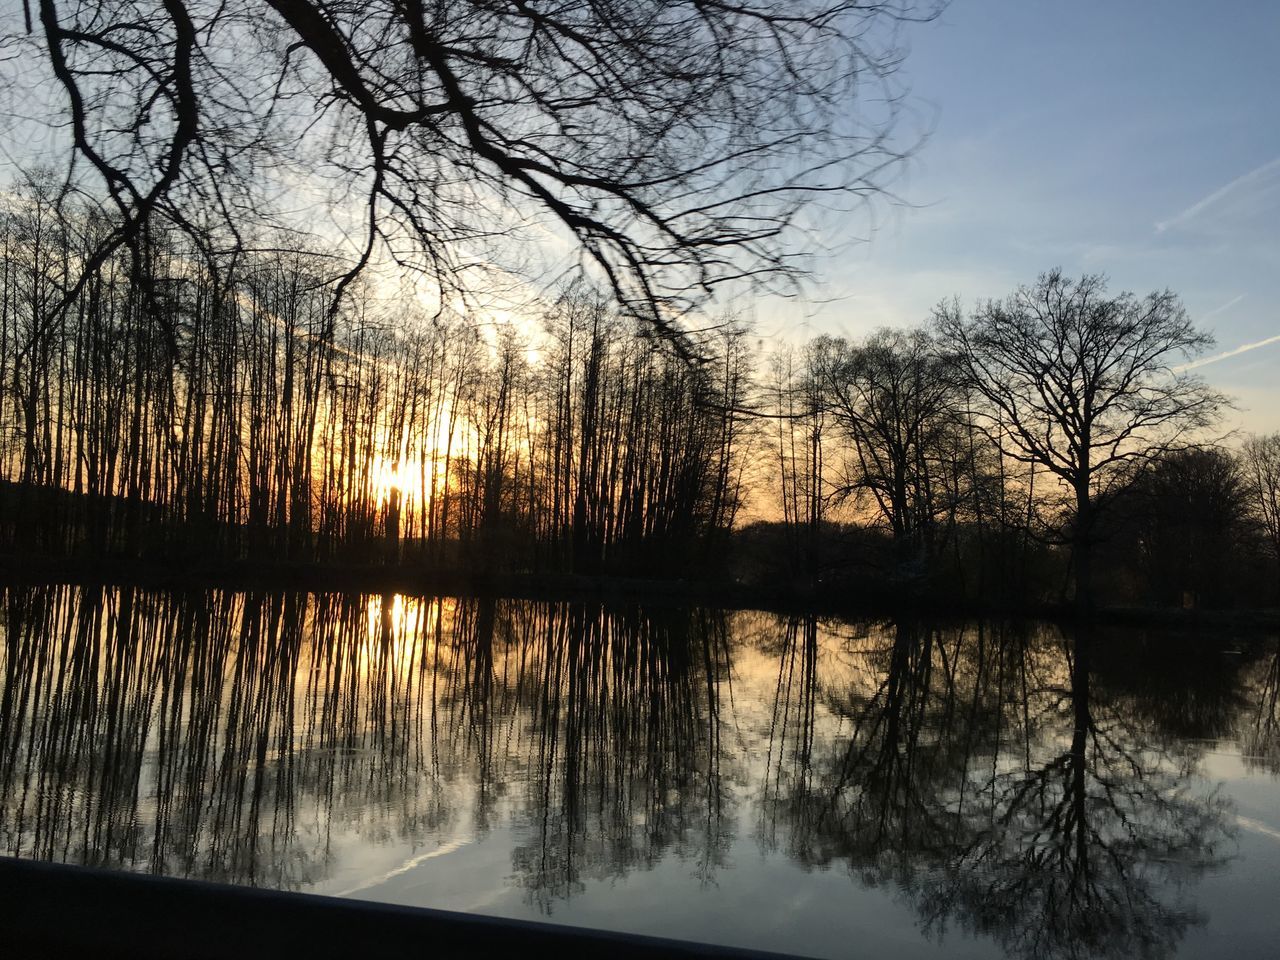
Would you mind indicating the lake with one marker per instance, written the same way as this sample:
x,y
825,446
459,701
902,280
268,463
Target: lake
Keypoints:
x,y
818,786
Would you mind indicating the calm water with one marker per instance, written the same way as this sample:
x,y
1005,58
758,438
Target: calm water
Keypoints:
x,y
822,787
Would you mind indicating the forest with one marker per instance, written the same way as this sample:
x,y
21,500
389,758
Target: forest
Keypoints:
x,y
191,406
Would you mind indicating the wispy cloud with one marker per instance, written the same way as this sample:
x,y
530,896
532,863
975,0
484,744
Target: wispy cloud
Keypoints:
x,y
1243,348
1238,189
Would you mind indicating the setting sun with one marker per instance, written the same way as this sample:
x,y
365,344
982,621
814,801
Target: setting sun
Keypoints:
x,y
389,476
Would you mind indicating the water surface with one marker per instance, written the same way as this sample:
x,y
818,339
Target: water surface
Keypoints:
x,y
822,787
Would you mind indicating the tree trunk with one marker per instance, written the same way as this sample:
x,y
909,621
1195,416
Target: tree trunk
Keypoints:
x,y
1082,552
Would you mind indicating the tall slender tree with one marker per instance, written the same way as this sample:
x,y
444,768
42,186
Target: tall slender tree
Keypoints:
x,y
1261,456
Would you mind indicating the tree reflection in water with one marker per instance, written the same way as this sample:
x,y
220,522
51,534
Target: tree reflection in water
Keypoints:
x,y
1260,720
981,774
1005,781
626,765
229,737
200,735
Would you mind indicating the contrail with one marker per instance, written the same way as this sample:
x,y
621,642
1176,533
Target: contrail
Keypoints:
x,y
1200,205
1244,348
1226,306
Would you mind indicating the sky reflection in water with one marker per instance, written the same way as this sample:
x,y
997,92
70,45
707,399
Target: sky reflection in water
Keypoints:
x,y
827,788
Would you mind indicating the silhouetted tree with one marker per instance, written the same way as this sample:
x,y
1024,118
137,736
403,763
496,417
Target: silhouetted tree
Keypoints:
x,y
794,396
1188,513
256,420
1084,385
674,143
1261,465
894,396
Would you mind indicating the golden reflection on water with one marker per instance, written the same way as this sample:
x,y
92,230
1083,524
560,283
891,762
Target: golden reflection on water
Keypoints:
x,y
409,624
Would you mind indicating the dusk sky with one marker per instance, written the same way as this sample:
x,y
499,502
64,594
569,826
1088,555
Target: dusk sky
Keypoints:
x,y
1139,140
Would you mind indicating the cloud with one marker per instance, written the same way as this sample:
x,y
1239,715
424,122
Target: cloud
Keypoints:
x,y
1244,194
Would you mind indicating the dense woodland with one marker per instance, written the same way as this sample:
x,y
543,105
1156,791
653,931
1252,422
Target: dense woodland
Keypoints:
x,y
178,403
189,404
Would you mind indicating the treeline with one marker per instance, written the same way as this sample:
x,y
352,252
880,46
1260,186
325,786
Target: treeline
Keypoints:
x,y
891,478
176,401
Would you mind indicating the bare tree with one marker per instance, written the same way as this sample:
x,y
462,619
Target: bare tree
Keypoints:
x,y
1089,386
800,417
1261,462
894,395
674,143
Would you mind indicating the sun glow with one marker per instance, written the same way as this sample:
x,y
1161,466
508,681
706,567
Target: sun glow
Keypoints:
x,y
406,482
416,471
392,479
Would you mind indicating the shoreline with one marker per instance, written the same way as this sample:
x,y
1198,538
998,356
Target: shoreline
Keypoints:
x,y
247,576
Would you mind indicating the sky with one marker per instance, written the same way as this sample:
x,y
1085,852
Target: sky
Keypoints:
x,y
1139,139
1136,139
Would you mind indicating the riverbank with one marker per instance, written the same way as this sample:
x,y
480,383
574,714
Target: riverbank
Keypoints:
x,y
419,580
